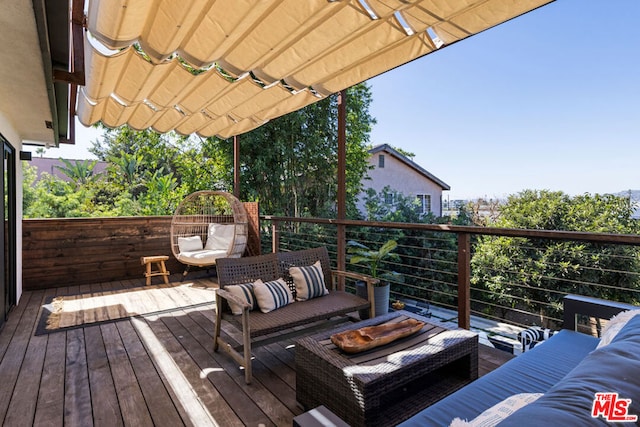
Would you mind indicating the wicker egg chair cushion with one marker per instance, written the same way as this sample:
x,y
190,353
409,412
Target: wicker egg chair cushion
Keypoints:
x,y
208,225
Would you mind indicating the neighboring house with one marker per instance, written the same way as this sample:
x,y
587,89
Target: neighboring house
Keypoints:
x,y
391,168
51,166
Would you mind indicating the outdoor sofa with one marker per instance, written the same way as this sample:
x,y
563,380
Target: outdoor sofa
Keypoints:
x,y
559,377
236,275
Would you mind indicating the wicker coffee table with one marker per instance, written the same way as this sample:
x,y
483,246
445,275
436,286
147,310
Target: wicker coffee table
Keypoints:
x,y
388,384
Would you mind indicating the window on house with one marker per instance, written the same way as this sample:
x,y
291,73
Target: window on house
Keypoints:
x,y
381,160
424,203
389,199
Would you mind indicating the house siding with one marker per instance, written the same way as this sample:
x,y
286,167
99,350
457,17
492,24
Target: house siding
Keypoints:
x,y
401,177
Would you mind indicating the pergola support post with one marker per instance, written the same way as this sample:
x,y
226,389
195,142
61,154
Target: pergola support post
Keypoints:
x,y
464,277
342,187
236,166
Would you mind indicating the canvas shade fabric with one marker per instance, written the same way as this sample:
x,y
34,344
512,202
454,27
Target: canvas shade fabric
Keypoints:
x,y
271,56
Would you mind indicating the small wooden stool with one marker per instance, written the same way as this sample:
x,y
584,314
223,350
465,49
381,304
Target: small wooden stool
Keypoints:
x,y
161,271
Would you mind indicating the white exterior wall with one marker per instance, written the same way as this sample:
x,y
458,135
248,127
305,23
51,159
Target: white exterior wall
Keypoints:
x,y
401,178
10,134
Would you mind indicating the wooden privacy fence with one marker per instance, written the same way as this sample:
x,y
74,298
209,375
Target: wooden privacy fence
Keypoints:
x,y
78,251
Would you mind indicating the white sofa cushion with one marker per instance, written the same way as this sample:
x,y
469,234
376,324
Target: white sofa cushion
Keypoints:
x,y
220,237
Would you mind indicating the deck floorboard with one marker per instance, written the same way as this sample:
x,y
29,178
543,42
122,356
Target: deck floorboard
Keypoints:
x,y
155,369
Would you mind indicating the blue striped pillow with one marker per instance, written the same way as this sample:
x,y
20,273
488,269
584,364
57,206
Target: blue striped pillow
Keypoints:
x,y
243,292
309,281
272,295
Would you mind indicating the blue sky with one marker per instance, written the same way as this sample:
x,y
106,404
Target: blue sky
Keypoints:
x,y
549,100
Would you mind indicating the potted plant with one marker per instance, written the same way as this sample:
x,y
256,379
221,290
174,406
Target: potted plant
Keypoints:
x,y
361,254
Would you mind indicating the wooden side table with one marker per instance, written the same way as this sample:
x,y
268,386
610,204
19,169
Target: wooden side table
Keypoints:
x,y
161,269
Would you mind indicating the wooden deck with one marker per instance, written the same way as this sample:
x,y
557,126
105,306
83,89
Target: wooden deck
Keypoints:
x,y
157,369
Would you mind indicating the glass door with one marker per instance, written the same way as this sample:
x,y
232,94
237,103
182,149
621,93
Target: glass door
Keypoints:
x,y
8,231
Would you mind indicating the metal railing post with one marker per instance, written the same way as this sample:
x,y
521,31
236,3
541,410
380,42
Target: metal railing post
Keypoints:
x,y
275,236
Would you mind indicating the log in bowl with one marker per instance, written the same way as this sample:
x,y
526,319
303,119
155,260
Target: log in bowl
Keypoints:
x,y
357,340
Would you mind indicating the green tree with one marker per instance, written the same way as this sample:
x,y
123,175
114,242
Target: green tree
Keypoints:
x,y
126,166
156,171
290,163
429,259
161,196
533,274
29,175
54,198
80,172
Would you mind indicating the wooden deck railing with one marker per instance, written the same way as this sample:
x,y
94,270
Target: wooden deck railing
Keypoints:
x,y
64,252
286,234
76,251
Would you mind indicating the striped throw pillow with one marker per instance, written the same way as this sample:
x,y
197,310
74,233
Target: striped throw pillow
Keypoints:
x,y
272,295
243,292
309,281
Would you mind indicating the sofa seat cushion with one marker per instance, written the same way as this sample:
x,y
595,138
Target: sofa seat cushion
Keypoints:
x,y
304,312
201,257
613,368
535,371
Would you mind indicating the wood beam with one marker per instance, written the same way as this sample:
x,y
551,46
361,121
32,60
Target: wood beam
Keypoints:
x,y
464,278
76,73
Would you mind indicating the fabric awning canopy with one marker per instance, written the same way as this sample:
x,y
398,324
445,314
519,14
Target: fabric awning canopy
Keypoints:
x,y
226,67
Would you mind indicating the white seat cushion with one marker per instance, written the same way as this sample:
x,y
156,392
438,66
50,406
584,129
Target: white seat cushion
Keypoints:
x,y
202,257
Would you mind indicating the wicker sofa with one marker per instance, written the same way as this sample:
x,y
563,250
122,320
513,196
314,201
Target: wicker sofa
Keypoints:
x,y
564,372
254,324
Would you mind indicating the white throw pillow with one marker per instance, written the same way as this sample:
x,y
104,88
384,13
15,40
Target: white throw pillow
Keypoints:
x,y
614,326
243,292
309,281
272,295
190,244
499,411
220,236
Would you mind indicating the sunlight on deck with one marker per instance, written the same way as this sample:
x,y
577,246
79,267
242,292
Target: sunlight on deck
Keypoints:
x,y
188,398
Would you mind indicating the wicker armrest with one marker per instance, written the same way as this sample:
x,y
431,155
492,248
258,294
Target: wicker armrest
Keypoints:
x,y
370,281
589,306
356,276
230,297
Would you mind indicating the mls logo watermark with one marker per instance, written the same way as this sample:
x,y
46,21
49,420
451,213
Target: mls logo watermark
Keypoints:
x,y
612,408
